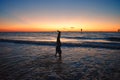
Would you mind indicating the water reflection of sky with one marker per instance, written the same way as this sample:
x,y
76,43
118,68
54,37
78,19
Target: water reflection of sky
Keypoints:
x,y
52,39
65,37
82,40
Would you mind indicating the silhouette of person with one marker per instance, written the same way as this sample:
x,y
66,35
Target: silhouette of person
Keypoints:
x,y
58,45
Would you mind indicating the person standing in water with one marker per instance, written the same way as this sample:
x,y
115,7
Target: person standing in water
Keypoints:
x,y
58,45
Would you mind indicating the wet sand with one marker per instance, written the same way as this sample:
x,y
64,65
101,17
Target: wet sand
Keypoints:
x,y
34,62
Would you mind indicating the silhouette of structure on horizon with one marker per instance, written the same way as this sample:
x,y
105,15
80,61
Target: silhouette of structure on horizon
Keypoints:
x,y
81,30
118,30
58,45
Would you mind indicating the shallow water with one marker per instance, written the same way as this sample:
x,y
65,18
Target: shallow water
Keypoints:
x,y
37,62
68,39
65,36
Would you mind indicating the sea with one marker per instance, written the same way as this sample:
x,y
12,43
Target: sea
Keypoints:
x,y
85,56
69,39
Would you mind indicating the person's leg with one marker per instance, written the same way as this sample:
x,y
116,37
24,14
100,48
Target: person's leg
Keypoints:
x,y
56,52
60,52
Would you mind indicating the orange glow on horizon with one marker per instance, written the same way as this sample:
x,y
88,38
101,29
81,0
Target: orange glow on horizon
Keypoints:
x,y
33,24
54,28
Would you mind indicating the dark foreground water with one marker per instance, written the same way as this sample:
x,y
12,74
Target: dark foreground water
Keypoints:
x,y
25,56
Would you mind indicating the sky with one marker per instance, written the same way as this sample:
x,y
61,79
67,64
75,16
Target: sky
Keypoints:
x,y
64,15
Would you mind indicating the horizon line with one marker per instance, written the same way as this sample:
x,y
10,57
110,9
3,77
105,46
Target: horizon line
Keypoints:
x,y
51,31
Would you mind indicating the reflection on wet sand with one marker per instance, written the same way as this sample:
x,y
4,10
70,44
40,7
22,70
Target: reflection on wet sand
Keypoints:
x,y
37,63
59,67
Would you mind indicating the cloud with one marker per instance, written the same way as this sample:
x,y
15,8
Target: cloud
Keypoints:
x,y
72,27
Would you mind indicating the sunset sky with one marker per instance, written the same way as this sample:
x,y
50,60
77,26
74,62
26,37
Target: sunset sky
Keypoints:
x,y
64,15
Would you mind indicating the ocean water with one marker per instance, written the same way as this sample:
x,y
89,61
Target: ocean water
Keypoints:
x,y
85,56
68,39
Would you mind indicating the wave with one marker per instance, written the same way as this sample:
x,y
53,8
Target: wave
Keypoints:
x,y
108,39
28,42
108,45
82,38
114,39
